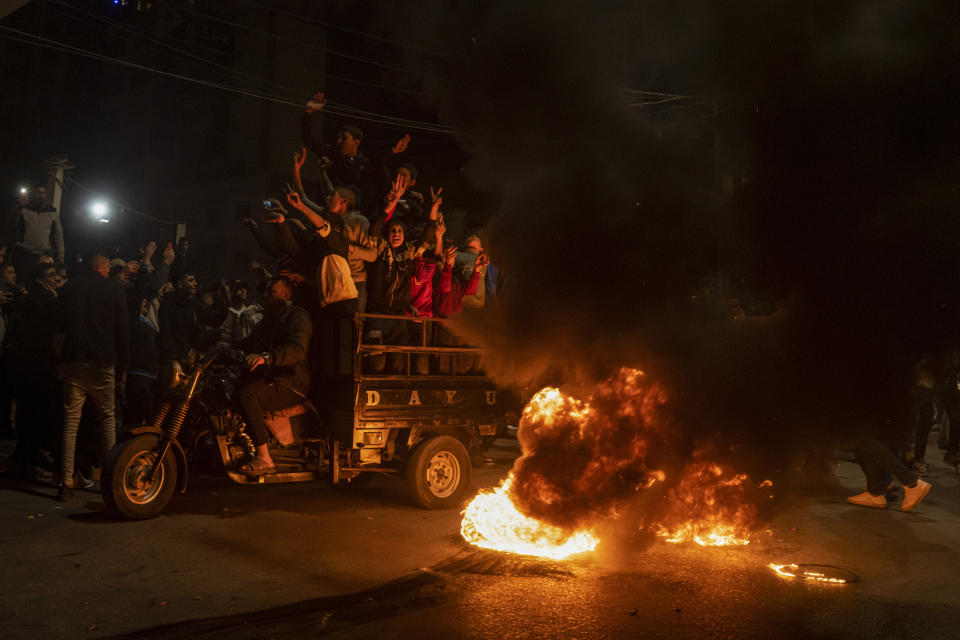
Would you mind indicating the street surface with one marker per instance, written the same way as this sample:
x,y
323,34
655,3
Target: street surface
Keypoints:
x,y
305,560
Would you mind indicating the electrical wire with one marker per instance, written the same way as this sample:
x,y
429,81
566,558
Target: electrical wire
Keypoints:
x,y
67,48
658,94
145,36
180,52
336,109
327,50
334,27
343,111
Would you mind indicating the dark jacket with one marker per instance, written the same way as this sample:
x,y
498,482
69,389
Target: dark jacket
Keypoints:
x,y
143,347
343,171
38,323
285,335
179,324
94,320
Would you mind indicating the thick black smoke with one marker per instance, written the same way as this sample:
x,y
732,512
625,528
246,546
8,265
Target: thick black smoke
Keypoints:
x,y
836,124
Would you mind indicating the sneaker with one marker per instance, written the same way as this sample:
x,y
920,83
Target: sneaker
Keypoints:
x,y
913,495
80,482
482,461
920,468
65,493
867,499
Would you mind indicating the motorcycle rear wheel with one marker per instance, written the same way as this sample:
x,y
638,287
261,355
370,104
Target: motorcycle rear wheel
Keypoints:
x,y
124,483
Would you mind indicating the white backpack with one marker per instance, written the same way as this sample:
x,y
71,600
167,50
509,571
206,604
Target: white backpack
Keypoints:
x,y
335,281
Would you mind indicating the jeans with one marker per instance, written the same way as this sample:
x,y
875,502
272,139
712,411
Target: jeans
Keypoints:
x,y
259,397
951,403
82,379
877,459
927,405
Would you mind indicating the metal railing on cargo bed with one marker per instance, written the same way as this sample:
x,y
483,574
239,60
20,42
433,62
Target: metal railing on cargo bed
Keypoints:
x,y
431,359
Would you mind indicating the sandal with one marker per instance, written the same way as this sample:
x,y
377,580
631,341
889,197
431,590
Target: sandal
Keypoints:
x,y
257,467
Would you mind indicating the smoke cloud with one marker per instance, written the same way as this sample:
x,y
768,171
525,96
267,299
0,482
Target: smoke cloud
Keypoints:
x,y
809,161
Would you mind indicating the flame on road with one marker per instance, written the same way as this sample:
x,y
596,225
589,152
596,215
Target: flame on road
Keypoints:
x,y
709,507
584,462
492,521
805,573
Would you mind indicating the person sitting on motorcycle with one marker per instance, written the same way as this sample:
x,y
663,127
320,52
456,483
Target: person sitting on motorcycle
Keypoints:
x,y
280,373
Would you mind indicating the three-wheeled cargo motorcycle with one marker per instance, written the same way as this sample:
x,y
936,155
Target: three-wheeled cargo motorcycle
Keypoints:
x,y
417,422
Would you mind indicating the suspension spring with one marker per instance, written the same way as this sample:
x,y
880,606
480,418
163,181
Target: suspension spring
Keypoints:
x,y
162,414
178,419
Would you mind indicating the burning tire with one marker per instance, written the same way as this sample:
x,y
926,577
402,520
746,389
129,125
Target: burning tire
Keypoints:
x,y
438,473
124,484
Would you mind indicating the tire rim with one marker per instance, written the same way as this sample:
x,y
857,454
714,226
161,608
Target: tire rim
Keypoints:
x,y
135,485
443,474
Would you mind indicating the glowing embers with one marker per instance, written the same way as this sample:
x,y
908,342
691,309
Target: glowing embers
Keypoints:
x,y
491,521
814,572
709,506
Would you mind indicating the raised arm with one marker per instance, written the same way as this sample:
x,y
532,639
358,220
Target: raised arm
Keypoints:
x,y
57,233
298,160
326,187
320,218
397,190
167,258
441,229
474,281
316,103
446,276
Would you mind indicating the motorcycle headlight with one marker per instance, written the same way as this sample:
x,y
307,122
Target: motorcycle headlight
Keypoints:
x,y
171,375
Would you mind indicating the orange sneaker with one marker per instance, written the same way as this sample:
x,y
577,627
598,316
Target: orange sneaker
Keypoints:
x,y
867,499
913,495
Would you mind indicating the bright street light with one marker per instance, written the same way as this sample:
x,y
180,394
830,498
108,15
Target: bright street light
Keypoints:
x,y
23,191
99,209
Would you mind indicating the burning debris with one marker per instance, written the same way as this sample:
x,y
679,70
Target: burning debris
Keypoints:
x,y
584,461
814,572
708,506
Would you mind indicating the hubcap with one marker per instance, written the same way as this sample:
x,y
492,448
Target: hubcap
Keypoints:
x,y
443,474
135,484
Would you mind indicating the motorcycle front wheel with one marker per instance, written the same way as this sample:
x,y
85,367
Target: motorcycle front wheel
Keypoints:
x,y
126,484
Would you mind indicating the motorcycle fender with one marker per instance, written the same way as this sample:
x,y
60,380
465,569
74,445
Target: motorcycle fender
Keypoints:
x,y
177,451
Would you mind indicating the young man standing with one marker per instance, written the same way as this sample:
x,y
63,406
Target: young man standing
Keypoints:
x,y
95,348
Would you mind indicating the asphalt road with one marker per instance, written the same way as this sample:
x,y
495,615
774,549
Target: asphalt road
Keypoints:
x,y
304,560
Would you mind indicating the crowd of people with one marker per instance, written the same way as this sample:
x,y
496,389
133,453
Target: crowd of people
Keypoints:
x,y
96,334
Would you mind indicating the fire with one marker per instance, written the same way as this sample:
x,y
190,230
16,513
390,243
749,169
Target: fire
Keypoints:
x,y
584,462
709,507
581,459
805,572
492,521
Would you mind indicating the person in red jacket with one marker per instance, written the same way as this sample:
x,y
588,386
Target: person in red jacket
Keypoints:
x,y
448,303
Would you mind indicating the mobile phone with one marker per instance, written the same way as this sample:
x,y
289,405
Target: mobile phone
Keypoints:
x,y
267,204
